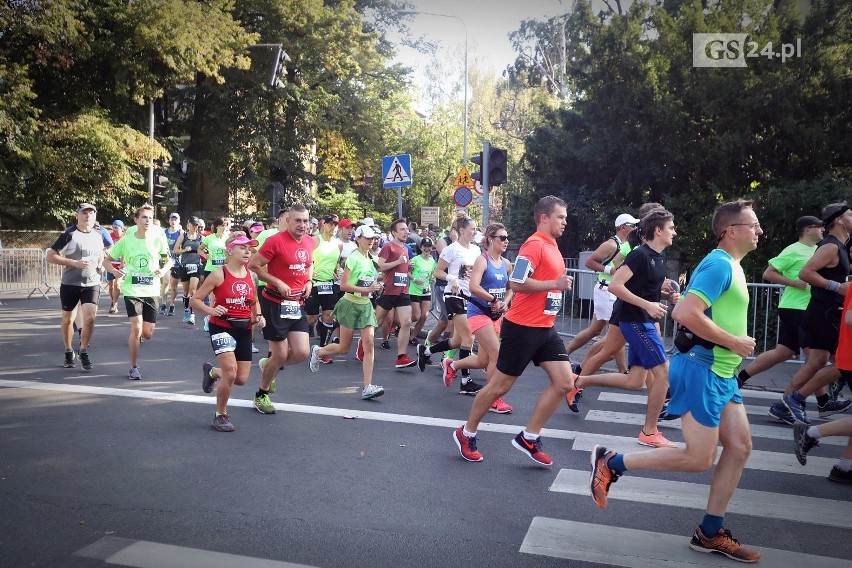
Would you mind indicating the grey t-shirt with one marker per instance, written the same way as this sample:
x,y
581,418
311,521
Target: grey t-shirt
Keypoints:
x,y
77,245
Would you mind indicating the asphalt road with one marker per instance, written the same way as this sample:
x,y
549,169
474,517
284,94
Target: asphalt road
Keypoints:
x,y
98,470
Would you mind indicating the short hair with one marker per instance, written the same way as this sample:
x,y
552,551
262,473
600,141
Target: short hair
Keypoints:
x,y
490,232
547,205
462,223
657,218
393,225
141,208
726,214
298,208
648,207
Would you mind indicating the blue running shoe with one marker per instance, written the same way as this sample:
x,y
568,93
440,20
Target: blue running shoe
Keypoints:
x,y
779,412
796,405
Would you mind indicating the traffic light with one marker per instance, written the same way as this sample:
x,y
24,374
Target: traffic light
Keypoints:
x,y
279,69
497,162
477,159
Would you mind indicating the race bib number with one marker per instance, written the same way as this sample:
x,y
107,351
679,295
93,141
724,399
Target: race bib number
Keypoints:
x,y
191,268
223,343
364,283
426,290
218,262
325,288
142,279
553,303
291,310
400,279
498,293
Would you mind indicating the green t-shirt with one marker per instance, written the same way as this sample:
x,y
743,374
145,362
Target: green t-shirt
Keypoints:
x,y
141,258
215,251
421,269
789,263
326,256
261,237
362,272
623,250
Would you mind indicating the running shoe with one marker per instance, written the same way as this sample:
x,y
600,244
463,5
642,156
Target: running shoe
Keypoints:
x,y
665,415
207,380
571,399
371,391
655,440
135,374
835,388
421,358
779,411
532,449
191,319
448,372
830,408
500,407
724,544
314,360
186,316
70,360
470,387
206,323
466,445
263,404
326,360
222,423
386,345
113,309
85,361
802,442
162,309
602,476
396,331
254,348
172,310
840,475
796,406
575,368
404,361
359,352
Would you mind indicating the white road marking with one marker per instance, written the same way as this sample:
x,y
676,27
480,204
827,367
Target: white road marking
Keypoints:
x,y
618,546
826,512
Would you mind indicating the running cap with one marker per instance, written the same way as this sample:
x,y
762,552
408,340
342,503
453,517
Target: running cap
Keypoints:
x,y
343,223
314,221
368,221
803,223
829,212
256,227
242,240
365,231
174,214
626,219
426,242
330,219
118,223
84,206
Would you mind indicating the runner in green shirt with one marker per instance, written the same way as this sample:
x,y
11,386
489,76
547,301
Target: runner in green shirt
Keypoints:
x,y
142,253
420,289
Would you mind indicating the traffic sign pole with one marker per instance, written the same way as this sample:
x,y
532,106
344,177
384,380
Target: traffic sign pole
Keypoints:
x,y
399,201
486,151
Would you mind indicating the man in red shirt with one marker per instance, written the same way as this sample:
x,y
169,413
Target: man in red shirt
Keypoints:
x,y
285,262
538,279
393,261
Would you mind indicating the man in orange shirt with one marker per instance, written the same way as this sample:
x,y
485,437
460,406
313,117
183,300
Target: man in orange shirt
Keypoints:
x,y
539,279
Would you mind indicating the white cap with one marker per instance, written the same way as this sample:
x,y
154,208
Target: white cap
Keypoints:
x,y
477,237
624,219
365,231
368,221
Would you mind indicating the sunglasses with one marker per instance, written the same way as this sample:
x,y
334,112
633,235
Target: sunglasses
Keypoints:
x,y
503,238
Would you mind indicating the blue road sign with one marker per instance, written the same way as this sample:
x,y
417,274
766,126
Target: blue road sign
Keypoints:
x,y
396,170
463,196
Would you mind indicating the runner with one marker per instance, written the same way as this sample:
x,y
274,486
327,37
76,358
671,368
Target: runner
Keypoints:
x,y
235,311
703,384
489,300
354,311
142,253
173,233
187,246
113,285
285,262
213,246
80,251
455,265
444,324
393,262
539,279
638,284
422,267
324,290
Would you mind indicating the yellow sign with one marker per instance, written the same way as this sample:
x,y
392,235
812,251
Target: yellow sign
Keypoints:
x,y
463,179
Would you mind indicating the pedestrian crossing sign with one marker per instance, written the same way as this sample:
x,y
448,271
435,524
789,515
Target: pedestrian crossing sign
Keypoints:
x,y
396,171
463,179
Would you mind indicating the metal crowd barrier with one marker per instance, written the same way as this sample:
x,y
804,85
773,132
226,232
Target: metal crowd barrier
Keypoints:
x,y
26,270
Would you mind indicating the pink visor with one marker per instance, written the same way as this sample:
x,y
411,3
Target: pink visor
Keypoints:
x,y
242,241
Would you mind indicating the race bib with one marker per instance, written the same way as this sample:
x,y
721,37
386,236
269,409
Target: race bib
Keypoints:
x,y
223,343
325,288
142,279
291,310
364,283
553,303
191,268
218,262
498,293
400,279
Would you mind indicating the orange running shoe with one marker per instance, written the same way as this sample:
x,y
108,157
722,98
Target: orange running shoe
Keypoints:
x,y
602,476
724,544
655,440
571,399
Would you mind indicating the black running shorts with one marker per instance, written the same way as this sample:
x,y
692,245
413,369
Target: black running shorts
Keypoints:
x,y
70,295
520,345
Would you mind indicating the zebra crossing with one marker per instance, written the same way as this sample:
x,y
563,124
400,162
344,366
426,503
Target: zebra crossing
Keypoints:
x,y
633,546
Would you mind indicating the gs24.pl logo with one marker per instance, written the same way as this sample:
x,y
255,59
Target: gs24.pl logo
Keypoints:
x,y
732,50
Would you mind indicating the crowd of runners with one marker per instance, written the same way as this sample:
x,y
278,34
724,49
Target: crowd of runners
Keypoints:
x,y
297,277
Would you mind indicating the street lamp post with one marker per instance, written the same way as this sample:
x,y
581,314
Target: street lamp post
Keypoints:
x,y
464,150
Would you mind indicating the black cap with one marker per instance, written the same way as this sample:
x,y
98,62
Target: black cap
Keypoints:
x,y
803,223
426,242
